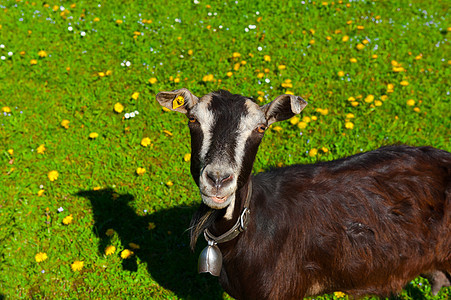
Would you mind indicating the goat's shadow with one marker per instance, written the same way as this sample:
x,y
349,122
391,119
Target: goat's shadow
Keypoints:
x,y
162,239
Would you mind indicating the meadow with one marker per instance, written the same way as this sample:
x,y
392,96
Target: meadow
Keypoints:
x,y
96,194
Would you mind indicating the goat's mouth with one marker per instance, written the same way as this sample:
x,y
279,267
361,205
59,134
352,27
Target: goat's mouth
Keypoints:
x,y
216,201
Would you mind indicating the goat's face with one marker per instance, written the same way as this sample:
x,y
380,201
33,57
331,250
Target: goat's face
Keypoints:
x,y
226,131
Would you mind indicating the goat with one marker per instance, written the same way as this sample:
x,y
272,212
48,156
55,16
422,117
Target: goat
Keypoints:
x,y
365,224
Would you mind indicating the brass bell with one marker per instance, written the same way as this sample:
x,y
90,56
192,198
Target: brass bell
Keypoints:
x,y
210,259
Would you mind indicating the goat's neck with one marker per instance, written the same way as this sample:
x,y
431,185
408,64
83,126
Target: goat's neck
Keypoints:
x,y
233,212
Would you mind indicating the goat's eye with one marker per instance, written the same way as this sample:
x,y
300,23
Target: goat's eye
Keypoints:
x,y
261,128
192,119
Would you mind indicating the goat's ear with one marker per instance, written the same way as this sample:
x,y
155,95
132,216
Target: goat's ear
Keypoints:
x,y
283,108
178,100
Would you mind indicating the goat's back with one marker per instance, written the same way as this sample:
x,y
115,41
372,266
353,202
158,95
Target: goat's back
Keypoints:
x,y
366,224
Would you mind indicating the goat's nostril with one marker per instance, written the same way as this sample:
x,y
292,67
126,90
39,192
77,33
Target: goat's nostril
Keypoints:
x,y
218,180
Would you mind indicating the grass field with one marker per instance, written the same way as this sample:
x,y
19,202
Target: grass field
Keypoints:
x,y
95,188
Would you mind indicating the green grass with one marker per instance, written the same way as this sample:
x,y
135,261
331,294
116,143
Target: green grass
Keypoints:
x,y
183,43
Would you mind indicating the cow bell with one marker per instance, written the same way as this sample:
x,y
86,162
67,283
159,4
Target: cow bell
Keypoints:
x,y
210,259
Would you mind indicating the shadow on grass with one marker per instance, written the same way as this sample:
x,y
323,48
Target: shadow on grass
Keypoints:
x,y
164,248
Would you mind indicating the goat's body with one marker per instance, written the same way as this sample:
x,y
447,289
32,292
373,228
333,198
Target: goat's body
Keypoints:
x,y
366,224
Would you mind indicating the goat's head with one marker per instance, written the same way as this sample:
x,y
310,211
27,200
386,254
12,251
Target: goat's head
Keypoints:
x,y
226,131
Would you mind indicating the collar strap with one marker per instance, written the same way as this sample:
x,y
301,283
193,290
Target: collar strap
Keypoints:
x,y
239,226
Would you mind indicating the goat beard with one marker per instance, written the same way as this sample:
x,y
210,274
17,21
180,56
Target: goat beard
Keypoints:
x,y
202,219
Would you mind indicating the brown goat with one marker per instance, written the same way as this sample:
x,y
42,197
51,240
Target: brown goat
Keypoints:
x,y
365,224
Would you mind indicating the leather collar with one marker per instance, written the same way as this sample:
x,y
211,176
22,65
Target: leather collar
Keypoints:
x,y
239,226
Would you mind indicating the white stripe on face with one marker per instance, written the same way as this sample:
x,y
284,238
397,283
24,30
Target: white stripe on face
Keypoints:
x,y
206,120
247,124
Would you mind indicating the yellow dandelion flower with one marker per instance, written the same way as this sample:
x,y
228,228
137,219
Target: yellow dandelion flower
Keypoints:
x,y
398,69
416,109
384,97
119,22
313,152
369,98
260,98
349,125
360,27
109,232
118,107
374,56
126,254
190,52
341,73
68,219
208,77
176,80
351,99
354,103
134,246
96,19
294,120
377,103
349,22
282,67
145,142
169,183
236,54
289,93
306,119
33,62
135,95
353,60
77,266
40,257
311,42
287,84
110,250
229,74
339,294
267,58
350,116
418,57
302,125
6,109
260,75
365,41
93,135
187,157
42,54
10,151
236,66
345,38
394,63
53,175
151,226
324,149
65,123
404,83
152,80
360,46
314,118
101,74
277,128
410,102
323,111
390,86
140,171
41,149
